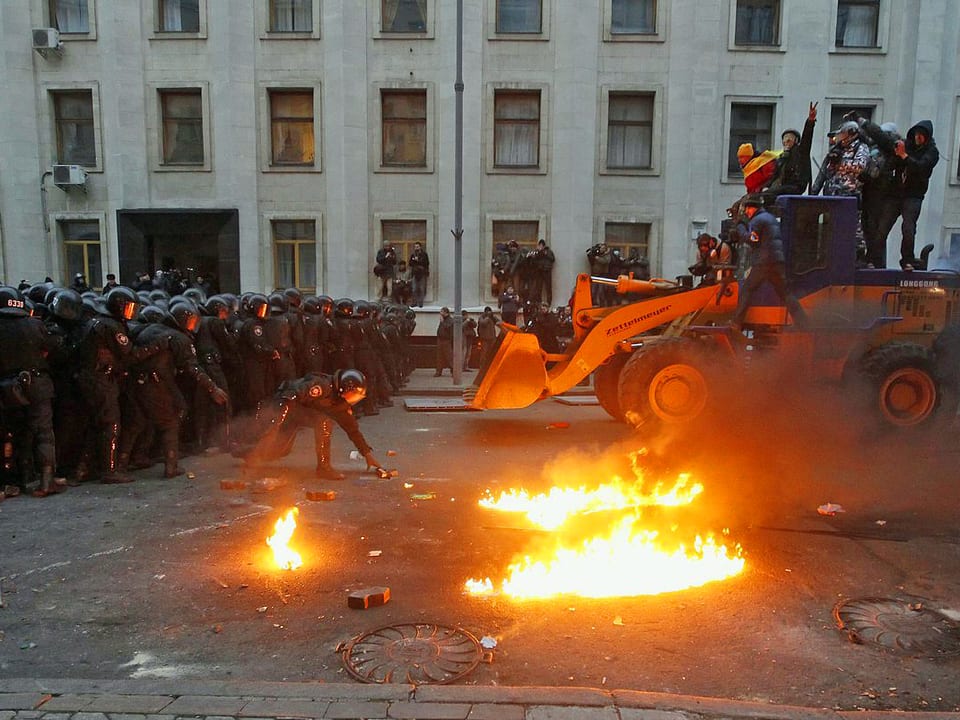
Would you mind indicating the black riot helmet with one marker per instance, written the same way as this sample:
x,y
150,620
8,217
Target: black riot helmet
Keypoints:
x,y
311,305
326,304
344,307
122,303
11,304
351,385
259,305
186,316
51,294
66,305
278,303
196,294
362,309
217,306
152,314
294,297
37,293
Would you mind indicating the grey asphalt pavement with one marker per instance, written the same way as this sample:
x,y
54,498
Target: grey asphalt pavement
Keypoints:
x,y
157,598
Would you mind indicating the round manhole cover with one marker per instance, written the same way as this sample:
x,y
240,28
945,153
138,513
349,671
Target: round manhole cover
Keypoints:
x,y
905,627
412,653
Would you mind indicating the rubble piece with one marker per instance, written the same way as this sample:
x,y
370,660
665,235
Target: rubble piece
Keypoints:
x,y
830,509
266,484
562,425
321,495
368,598
233,485
391,453
488,642
375,553
423,496
191,476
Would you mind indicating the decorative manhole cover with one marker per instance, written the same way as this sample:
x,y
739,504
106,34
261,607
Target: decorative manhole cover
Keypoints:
x,y
905,627
412,653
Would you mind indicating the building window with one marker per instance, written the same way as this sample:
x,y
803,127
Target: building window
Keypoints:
x,y
953,250
404,116
403,234
630,239
403,16
70,16
291,127
758,22
179,16
81,250
519,16
630,131
182,121
857,23
633,17
76,141
524,232
295,254
516,118
749,123
838,111
291,16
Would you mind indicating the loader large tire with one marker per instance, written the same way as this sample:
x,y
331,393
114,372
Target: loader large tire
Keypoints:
x,y
606,384
665,383
903,383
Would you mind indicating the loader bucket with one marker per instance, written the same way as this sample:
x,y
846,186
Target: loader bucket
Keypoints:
x,y
516,376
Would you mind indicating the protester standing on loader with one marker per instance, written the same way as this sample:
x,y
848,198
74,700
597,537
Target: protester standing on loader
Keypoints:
x,y
762,237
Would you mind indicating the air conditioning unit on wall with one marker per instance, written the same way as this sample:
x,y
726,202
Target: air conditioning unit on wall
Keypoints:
x,y
47,41
68,176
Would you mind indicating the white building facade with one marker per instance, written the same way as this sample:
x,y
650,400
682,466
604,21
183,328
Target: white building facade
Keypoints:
x,y
269,143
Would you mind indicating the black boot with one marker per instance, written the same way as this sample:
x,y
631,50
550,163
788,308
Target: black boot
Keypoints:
x,y
48,486
171,468
112,473
169,441
321,437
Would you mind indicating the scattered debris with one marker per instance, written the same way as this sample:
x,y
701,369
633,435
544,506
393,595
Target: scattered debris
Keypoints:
x,y
217,629
563,425
318,495
267,484
881,523
375,553
233,485
488,643
262,609
830,509
355,455
618,620
221,583
391,453
407,485
191,476
423,496
368,598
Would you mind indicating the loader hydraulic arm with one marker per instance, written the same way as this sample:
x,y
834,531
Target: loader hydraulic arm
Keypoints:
x,y
518,376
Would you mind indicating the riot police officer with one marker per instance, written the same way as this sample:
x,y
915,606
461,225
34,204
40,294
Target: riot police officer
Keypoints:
x,y
315,400
156,388
102,352
27,391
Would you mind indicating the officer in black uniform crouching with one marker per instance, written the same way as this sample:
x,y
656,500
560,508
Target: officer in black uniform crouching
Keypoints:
x,y
315,400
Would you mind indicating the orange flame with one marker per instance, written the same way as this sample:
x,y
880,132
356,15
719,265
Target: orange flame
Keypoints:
x,y
283,555
626,559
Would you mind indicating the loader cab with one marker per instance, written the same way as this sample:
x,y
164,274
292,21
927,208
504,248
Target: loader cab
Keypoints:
x,y
819,237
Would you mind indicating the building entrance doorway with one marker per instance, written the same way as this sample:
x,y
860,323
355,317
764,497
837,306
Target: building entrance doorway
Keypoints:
x,y
183,245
